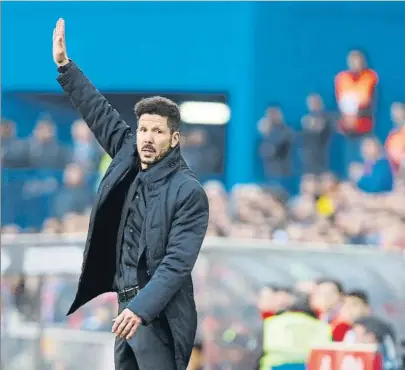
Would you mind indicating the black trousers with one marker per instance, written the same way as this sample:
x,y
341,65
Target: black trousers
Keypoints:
x,y
151,348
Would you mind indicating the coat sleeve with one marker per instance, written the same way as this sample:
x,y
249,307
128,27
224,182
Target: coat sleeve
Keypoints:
x,y
184,243
104,121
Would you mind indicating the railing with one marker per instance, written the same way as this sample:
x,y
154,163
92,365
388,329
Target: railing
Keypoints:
x,y
228,276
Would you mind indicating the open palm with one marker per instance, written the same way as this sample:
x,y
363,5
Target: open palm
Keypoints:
x,y
59,45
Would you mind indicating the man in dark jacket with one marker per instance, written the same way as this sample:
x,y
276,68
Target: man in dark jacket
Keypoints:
x,y
276,143
147,225
315,135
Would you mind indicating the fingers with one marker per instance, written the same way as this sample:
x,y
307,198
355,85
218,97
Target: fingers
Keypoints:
x,y
59,32
132,331
127,329
117,322
124,328
125,325
62,27
121,327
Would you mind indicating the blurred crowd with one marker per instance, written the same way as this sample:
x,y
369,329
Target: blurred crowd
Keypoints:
x,y
43,153
325,210
237,334
61,178
352,122
362,205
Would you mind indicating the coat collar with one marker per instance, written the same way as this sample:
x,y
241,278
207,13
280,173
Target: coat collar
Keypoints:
x,y
162,169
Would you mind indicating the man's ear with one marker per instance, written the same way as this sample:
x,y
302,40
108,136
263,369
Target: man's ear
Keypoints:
x,y
175,139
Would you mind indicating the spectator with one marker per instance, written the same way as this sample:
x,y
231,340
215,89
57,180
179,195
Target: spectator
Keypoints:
x,y
316,131
200,155
27,299
303,211
10,230
328,300
356,306
51,226
13,153
289,336
395,143
350,223
326,203
75,196
373,330
275,147
375,175
86,150
75,223
44,152
355,94
105,162
309,186
273,299
219,219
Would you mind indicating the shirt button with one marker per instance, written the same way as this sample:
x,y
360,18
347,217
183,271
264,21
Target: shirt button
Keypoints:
x,y
127,266
131,230
137,196
129,247
107,186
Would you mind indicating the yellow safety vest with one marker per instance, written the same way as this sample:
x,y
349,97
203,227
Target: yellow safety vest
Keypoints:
x,y
102,168
289,337
104,163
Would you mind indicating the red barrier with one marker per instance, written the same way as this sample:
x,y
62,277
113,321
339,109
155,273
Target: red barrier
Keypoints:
x,y
339,356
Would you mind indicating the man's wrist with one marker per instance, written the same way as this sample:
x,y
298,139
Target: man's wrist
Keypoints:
x,y
64,66
63,62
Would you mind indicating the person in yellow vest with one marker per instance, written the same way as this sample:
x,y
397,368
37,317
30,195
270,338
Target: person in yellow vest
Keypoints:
x,y
102,168
289,336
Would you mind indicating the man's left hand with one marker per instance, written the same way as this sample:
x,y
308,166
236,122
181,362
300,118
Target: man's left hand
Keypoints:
x,y
125,324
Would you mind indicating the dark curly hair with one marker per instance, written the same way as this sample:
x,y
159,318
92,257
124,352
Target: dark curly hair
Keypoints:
x,y
161,106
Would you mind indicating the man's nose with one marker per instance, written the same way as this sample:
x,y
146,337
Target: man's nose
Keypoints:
x,y
148,138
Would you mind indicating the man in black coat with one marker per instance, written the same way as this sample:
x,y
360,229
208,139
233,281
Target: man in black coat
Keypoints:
x,y
147,225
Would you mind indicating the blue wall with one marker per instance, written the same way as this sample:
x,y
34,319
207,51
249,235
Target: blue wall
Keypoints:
x,y
257,52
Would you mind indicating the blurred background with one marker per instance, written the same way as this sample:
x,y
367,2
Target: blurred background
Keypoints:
x,y
294,120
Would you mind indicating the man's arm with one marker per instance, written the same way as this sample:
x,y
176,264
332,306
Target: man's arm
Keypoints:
x,y
104,121
185,239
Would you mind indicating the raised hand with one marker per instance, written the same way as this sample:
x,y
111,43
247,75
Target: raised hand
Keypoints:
x,y
59,44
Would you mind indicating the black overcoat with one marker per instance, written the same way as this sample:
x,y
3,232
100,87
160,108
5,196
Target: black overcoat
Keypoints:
x,y
173,229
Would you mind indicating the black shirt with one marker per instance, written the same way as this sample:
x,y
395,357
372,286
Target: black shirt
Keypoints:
x,y
129,235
